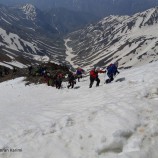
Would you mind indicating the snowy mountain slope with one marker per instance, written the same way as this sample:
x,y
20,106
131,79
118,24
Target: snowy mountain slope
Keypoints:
x,y
118,120
26,37
30,11
15,48
30,35
131,40
24,17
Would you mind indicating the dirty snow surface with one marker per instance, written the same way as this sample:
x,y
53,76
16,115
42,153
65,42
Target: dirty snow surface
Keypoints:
x,y
118,120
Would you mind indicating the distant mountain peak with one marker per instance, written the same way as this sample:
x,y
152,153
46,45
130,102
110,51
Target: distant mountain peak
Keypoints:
x,y
30,11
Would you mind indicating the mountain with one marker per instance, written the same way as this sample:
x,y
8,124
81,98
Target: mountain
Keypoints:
x,y
117,120
66,21
26,37
99,8
27,16
131,40
30,35
27,30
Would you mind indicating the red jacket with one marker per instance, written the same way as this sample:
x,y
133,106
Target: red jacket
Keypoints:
x,y
94,74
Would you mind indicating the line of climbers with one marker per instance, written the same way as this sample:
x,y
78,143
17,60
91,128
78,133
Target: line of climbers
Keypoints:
x,y
71,78
54,74
111,72
58,77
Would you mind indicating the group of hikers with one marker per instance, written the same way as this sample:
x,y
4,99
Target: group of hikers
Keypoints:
x,y
55,74
57,77
112,70
71,77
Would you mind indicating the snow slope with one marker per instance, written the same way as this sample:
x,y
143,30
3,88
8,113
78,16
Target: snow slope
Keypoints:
x,y
69,53
26,37
131,40
119,120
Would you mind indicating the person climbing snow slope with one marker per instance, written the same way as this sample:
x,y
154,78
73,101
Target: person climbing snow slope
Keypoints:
x,y
94,76
112,71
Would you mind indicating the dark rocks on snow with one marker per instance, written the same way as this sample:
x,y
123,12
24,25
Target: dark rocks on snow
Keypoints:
x,y
37,74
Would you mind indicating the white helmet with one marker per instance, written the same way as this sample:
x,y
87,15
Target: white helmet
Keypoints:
x,y
97,68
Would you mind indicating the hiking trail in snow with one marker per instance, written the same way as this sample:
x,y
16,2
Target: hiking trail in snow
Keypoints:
x,y
117,120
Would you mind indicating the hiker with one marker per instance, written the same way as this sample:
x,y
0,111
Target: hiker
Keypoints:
x,y
94,76
48,78
112,71
40,70
79,73
71,80
6,71
30,68
58,81
1,72
14,70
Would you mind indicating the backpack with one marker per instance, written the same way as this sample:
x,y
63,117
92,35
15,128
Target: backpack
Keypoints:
x,y
108,67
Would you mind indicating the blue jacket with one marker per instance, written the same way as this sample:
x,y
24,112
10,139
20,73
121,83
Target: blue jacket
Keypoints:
x,y
79,72
112,69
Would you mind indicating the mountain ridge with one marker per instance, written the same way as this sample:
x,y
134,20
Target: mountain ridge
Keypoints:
x,y
131,40
99,8
27,38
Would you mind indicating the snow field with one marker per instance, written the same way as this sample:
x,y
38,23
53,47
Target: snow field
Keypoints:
x,y
119,120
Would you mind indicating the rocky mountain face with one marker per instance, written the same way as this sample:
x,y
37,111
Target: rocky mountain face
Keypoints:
x,y
99,8
26,37
131,40
31,34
